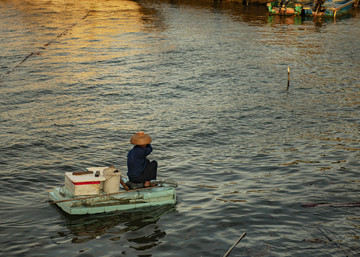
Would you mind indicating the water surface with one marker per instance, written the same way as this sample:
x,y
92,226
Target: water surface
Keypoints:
x,y
208,82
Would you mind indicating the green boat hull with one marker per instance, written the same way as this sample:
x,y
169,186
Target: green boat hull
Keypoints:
x,y
121,201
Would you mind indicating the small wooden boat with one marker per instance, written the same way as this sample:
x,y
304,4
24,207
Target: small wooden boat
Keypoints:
x,y
330,8
286,8
98,190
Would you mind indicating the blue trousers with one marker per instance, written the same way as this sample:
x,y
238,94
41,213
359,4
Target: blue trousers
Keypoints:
x,y
148,174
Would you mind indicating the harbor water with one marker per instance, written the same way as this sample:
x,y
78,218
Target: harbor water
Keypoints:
x,y
208,81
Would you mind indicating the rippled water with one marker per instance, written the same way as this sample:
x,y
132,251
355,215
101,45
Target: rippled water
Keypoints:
x,y
208,82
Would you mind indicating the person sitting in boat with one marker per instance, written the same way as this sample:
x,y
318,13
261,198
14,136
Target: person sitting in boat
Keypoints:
x,y
140,169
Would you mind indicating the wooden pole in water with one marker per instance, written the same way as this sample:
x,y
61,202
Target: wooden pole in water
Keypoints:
x,y
288,85
232,247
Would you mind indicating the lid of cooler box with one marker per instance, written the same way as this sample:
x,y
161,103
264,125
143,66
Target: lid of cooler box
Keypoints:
x,y
95,169
84,178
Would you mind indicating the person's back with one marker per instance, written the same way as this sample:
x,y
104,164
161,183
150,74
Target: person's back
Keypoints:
x,y
140,169
137,161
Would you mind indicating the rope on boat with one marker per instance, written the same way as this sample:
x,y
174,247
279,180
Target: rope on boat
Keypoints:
x,y
103,195
232,247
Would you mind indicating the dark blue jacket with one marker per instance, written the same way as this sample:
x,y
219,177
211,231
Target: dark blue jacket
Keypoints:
x,y
136,160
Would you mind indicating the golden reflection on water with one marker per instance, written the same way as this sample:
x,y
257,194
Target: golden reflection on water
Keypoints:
x,y
68,34
65,43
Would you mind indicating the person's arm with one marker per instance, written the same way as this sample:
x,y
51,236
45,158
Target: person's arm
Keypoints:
x,y
142,152
148,149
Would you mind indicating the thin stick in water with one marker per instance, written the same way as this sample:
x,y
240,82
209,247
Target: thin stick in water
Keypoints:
x,y
288,85
232,247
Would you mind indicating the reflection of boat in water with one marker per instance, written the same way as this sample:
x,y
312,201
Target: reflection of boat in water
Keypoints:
x,y
289,20
83,228
327,8
97,190
330,8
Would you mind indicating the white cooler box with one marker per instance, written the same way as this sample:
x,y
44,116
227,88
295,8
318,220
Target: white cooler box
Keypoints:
x,y
86,184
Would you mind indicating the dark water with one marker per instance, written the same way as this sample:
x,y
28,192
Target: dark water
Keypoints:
x,y
208,82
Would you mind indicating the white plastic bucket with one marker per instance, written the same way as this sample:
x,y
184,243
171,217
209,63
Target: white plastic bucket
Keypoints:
x,y
112,182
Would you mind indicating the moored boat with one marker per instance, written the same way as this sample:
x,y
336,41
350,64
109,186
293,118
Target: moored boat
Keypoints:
x,y
330,8
284,8
98,190
320,8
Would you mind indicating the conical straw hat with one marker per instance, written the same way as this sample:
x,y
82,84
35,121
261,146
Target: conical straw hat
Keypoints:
x,y
140,138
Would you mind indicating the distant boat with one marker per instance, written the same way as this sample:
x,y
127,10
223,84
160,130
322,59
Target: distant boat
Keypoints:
x,y
97,190
330,8
284,8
